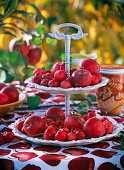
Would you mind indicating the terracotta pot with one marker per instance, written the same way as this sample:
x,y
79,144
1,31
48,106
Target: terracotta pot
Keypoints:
x,y
110,98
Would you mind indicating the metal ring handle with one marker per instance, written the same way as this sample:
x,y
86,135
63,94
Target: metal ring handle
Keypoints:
x,y
61,36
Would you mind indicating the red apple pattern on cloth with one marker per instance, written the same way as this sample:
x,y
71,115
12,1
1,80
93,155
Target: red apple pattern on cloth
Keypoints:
x,y
81,163
6,164
108,165
101,145
24,156
122,161
8,116
4,152
20,145
104,154
118,147
52,159
75,151
31,167
51,149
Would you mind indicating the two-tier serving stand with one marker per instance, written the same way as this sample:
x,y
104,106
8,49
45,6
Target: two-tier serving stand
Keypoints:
x,y
56,34
67,92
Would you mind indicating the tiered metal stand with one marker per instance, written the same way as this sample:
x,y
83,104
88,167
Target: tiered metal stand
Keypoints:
x,y
69,91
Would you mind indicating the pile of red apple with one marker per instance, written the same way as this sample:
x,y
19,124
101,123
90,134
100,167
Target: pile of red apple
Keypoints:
x,y
88,74
8,94
53,126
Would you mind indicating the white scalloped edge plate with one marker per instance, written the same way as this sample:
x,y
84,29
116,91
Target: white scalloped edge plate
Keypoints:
x,y
76,90
40,140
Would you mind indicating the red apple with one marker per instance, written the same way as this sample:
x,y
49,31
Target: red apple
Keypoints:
x,y
44,82
2,85
38,70
81,78
58,66
11,92
53,83
47,71
94,80
36,79
34,125
14,45
72,70
34,55
61,135
86,117
20,124
99,76
69,78
108,126
80,134
49,133
72,122
66,84
55,113
3,99
71,136
47,76
91,65
94,128
60,75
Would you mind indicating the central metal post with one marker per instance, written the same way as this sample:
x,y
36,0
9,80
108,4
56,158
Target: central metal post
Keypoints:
x,y
67,38
67,69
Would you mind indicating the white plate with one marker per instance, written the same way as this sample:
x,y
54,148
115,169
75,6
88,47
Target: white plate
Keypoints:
x,y
76,90
40,140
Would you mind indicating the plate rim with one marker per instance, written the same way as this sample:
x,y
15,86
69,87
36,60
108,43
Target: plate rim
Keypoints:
x,y
83,142
73,90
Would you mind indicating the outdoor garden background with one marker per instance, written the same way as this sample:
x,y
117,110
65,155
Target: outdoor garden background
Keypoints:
x,y
32,20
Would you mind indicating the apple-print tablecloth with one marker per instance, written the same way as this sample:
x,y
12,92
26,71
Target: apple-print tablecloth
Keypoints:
x,y
24,155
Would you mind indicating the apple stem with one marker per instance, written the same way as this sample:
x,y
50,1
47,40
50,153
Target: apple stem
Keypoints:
x,y
82,68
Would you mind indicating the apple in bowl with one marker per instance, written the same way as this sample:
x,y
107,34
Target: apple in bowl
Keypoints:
x,y
10,98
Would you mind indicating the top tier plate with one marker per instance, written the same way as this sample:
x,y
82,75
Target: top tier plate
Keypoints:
x,y
74,90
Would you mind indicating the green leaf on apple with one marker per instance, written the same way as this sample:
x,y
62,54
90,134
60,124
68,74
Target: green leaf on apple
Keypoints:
x,y
80,120
49,41
33,101
40,29
82,112
37,40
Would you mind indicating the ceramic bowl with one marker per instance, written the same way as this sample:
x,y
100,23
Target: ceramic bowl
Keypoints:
x,y
11,106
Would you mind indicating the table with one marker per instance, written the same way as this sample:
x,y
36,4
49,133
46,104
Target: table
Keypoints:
x,y
24,155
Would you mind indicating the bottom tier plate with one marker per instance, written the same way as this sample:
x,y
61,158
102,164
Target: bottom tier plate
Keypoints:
x,y
40,140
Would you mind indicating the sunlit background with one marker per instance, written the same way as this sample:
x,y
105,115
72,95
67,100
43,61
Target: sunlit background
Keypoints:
x,y
102,20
